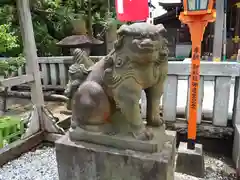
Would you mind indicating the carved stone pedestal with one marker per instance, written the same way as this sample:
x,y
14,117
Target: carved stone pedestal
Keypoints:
x,y
87,161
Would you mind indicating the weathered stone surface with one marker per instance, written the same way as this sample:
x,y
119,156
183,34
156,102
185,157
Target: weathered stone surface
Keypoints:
x,y
190,162
86,161
236,147
121,141
111,88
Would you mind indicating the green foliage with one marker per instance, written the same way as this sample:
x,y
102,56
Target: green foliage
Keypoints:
x,y
52,20
7,39
11,65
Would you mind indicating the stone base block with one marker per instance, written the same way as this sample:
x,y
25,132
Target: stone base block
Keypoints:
x,y
236,149
190,162
236,146
88,161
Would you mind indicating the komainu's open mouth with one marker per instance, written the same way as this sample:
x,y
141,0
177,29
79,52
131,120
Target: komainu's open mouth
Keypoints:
x,y
143,46
146,46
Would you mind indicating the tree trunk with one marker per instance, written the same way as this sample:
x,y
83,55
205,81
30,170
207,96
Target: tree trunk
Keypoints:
x,y
90,30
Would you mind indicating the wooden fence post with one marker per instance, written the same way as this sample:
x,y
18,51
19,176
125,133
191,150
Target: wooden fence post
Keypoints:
x,y
238,56
218,32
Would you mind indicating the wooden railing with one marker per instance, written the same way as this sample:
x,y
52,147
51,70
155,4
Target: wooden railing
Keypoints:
x,y
225,84
222,73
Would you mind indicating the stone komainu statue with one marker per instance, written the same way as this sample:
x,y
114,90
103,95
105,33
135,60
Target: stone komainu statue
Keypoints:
x,y
112,87
77,72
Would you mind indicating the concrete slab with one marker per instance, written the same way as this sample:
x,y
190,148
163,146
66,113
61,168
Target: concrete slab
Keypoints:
x,y
88,161
190,162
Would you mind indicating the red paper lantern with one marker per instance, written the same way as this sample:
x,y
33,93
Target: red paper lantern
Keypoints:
x,y
132,10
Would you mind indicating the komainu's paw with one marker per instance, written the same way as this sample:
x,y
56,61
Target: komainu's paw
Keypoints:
x,y
156,121
145,134
73,124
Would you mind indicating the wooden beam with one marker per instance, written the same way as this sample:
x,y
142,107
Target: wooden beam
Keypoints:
x,y
19,147
30,51
32,67
52,137
174,67
63,59
207,68
14,81
218,31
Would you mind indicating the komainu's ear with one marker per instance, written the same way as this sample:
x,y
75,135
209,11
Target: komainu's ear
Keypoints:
x,y
123,29
161,28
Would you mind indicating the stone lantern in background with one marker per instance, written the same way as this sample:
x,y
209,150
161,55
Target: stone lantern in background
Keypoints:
x,y
79,39
80,45
83,42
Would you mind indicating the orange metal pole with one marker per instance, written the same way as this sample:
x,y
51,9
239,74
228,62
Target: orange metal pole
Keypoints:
x,y
196,29
197,25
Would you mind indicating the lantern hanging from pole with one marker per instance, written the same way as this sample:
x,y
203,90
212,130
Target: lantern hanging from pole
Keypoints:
x,y
197,7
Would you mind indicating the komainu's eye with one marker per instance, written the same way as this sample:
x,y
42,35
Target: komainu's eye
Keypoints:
x,y
118,62
154,37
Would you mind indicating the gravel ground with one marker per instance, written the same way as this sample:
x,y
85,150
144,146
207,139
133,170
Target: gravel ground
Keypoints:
x,y
37,165
41,165
216,168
